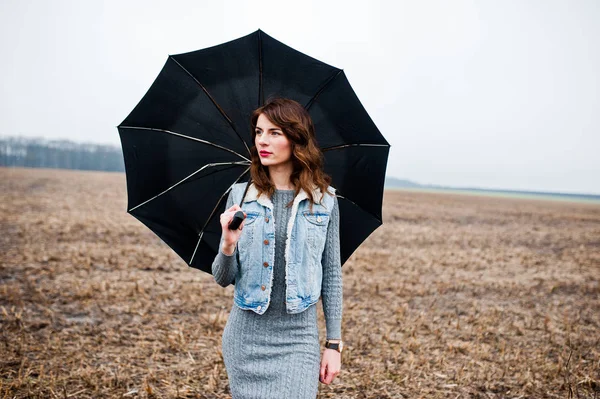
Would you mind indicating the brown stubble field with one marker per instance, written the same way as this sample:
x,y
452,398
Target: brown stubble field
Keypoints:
x,y
455,296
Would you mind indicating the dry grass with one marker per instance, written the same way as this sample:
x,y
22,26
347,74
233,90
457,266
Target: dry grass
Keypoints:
x,y
454,297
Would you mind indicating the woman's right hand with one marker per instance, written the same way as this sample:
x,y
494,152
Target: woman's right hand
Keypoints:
x,y
230,237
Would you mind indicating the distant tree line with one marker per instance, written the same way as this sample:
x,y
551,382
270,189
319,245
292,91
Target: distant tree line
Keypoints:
x,y
61,154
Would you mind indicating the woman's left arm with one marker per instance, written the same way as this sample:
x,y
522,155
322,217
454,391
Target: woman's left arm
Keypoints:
x,y
332,295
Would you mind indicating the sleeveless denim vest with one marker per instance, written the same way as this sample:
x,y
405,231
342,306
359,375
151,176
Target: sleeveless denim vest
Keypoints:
x,y
306,236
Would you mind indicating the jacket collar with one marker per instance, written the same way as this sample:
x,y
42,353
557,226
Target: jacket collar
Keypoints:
x,y
252,195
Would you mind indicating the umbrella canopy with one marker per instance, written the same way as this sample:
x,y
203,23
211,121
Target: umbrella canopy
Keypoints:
x,y
187,141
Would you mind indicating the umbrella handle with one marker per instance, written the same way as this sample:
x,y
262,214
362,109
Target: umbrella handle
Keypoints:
x,y
238,218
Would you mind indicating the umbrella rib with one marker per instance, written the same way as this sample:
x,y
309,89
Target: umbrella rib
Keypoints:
x,y
197,244
213,101
356,205
210,165
310,102
186,137
337,147
213,212
261,95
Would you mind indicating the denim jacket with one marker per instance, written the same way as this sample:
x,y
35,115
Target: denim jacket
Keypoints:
x,y
306,236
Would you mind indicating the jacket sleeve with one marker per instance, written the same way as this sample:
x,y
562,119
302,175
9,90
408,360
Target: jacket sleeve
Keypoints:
x,y
225,267
331,289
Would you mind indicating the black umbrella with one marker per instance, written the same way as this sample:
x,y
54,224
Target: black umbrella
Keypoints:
x,y
187,141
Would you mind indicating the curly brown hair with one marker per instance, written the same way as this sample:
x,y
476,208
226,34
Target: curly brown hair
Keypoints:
x,y
307,157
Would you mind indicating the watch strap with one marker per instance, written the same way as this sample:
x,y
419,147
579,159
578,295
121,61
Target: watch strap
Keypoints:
x,y
334,345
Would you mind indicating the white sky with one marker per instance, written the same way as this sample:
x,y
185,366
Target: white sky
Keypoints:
x,y
491,94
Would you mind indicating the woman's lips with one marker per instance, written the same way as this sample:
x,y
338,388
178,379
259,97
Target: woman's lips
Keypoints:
x,y
264,153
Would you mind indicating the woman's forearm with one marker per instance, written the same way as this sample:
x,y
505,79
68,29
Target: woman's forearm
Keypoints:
x,y
225,266
228,249
332,286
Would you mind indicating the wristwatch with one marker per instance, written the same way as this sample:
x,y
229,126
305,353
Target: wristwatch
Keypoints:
x,y
338,346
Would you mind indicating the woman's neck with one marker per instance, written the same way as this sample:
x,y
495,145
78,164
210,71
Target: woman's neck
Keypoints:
x,y
280,176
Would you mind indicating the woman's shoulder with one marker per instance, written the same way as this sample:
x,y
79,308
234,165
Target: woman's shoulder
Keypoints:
x,y
328,198
331,191
239,186
236,191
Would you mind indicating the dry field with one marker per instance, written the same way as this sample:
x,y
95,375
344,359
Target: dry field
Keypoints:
x,y
464,297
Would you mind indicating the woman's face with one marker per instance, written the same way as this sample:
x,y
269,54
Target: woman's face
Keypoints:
x,y
273,147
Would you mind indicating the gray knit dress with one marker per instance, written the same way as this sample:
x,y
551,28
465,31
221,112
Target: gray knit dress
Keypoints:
x,y
277,355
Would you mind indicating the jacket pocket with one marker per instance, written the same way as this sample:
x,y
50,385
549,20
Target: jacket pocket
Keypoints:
x,y
249,226
251,217
315,225
246,243
317,218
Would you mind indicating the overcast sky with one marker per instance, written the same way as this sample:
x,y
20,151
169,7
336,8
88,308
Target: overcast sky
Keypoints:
x,y
490,94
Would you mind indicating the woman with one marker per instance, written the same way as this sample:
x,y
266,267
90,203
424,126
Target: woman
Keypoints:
x,y
284,256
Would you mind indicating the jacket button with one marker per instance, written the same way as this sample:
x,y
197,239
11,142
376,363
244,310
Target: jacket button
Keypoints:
x,y
258,307
267,219
262,287
266,264
266,242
